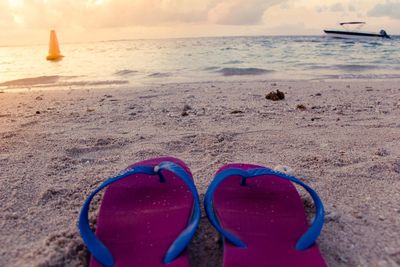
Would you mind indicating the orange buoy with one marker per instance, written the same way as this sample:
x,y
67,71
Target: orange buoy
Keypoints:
x,y
54,49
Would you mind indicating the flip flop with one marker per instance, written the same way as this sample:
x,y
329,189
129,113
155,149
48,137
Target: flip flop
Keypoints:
x,y
148,215
261,216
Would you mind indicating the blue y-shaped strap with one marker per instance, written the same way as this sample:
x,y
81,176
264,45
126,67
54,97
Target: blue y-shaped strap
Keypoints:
x,y
305,241
101,252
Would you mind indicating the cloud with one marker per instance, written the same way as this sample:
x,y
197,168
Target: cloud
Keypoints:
x,y
338,7
105,13
38,14
389,9
6,18
236,12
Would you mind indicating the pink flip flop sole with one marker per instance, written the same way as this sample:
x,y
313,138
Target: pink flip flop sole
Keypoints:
x,y
268,215
140,217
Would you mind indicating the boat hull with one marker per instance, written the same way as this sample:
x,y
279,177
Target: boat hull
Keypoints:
x,y
354,35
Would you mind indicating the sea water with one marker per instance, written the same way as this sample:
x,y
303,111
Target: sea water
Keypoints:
x,y
139,62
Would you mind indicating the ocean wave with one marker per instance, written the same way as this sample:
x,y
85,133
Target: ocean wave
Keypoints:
x,y
34,81
341,67
354,67
243,71
228,48
125,72
210,68
360,76
84,83
159,75
306,40
57,81
233,62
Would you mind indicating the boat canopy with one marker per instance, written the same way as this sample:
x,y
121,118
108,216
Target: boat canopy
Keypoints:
x,y
352,23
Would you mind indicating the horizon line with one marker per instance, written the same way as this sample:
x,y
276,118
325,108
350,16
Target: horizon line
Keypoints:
x,y
172,38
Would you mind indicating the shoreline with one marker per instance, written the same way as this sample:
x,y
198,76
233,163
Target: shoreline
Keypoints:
x,y
57,145
147,85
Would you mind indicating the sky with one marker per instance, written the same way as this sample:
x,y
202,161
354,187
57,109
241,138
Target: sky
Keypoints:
x,y
26,22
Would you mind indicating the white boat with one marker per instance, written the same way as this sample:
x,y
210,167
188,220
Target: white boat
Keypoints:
x,y
356,33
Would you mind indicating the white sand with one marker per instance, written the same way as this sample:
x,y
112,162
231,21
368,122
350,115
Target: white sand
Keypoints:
x,y
346,145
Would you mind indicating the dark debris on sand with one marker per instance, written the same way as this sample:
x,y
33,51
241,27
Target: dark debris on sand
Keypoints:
x,y
185,110
186,107
301,107
236,111
275,96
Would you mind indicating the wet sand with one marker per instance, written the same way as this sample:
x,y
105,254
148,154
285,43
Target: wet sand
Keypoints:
x,y
341,137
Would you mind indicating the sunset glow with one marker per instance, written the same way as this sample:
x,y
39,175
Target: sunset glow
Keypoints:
x,y
27,22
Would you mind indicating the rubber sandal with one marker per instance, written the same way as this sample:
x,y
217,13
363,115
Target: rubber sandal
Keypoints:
x,y
261,218
148,215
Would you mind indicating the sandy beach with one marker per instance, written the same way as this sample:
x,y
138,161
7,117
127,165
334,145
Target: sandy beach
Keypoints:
x,y
341,137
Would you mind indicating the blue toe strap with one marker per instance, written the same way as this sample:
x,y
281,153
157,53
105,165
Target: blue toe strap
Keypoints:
x,y
305,241
182,241
101,253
